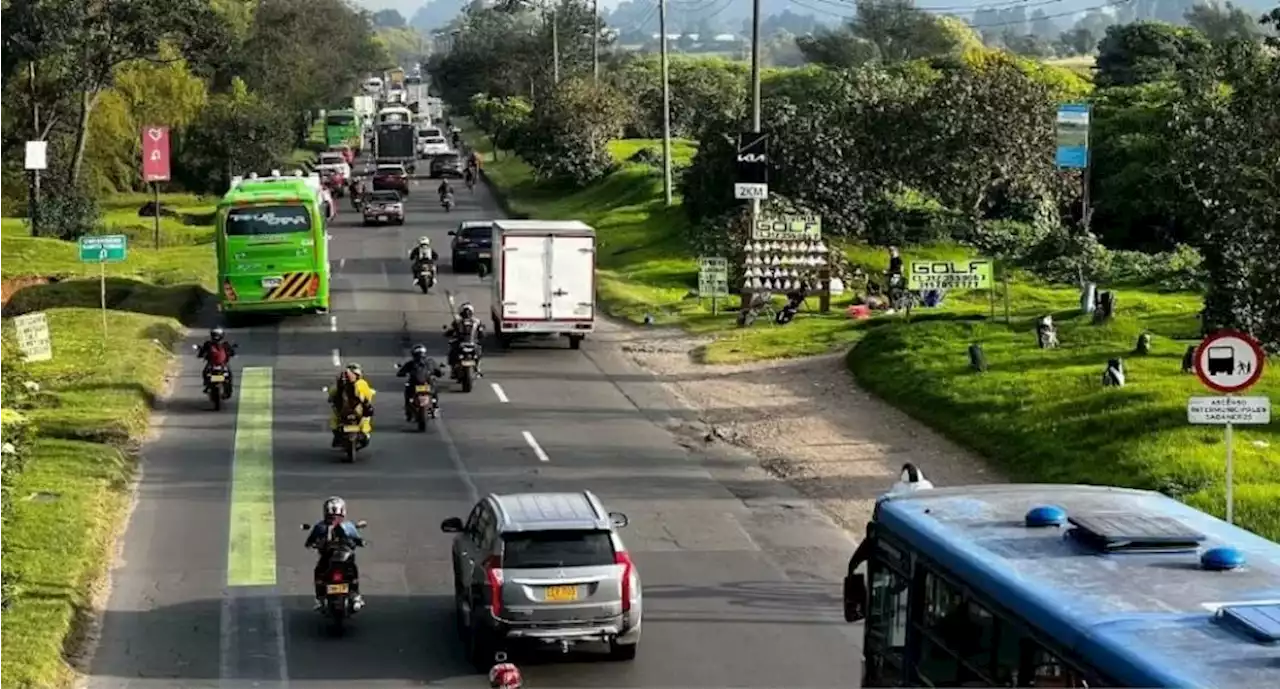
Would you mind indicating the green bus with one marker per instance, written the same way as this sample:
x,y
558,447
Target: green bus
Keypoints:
x,y
273,250
342,127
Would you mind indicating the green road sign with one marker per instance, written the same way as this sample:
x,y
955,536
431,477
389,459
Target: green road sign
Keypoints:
x,y
105,248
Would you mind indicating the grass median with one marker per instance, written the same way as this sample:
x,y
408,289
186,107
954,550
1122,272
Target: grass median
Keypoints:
x,y
89,414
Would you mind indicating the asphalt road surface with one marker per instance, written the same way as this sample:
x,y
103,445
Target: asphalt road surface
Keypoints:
x,y
213,586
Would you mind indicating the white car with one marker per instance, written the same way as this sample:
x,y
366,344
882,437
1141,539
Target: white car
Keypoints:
x,y
431,142
373,85
332,160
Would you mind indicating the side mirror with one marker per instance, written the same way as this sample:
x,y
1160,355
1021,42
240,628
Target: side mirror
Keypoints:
x,y
855,598
306,527
453,233
451,525
361,524
618,519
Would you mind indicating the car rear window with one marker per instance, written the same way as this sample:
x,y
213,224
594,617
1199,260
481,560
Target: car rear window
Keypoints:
x,y
479,235
386,197
391,170
537,549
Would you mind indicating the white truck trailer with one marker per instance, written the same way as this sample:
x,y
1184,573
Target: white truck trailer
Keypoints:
x,y
544,280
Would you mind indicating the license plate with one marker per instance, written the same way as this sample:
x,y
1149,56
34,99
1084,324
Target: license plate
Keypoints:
x,y
336,588
350,429
560,594
268,283
217,378
486,255
468,362
382,218
422,388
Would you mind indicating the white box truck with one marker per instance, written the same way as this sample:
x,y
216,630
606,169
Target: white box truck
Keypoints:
x,y
544,280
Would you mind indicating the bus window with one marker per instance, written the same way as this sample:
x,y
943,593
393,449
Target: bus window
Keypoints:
x,y
257,220
957,640
886,630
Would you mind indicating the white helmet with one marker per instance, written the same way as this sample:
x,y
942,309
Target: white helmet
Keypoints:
x,y
424,241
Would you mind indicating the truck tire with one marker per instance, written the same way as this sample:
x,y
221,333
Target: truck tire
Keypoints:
x,y
575,341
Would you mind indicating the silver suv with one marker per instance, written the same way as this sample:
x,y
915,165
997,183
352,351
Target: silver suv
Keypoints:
x,y
543,568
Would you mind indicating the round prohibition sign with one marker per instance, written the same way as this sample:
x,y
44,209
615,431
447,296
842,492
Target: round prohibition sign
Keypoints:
x,y
1229,361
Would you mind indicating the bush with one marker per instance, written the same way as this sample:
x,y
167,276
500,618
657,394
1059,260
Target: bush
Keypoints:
x,y
648,155
69,213
1177,270
911,218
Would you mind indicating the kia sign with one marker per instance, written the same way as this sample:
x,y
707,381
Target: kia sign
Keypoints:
x,y
753,158
975,274
155,154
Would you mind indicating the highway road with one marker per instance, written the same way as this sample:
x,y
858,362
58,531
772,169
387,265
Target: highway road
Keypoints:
x,y
213,587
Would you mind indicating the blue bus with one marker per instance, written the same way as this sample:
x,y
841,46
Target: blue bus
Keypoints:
x,y
1062,586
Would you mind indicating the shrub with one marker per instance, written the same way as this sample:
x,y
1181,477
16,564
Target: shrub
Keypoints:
x,y
68,213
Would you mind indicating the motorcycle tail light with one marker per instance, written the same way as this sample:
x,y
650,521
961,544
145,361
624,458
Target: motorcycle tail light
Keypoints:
x,y
336,576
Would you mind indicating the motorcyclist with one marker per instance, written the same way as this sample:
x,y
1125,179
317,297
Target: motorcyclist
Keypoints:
x,y
504,675
421,370
445,189
469,176
217,351
466,328
351,395
422,251
332,531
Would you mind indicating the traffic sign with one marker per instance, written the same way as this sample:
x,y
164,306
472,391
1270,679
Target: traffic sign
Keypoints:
x,y
155,154
1220,411
104,248
1229,361
749,190
33,336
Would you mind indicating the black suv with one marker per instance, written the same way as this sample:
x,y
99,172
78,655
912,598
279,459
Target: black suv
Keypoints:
x,y
447,165
472,243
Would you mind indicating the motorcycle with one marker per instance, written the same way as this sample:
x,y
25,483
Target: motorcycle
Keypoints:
x,y
425,275
338,580
465,371
447,202
217,382
352,438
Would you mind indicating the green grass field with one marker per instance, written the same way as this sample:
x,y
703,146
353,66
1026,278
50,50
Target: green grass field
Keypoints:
x,y
95,398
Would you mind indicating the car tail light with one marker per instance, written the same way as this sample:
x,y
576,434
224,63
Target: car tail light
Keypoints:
x,y
228,291
336,575
623,558
493,575
313,285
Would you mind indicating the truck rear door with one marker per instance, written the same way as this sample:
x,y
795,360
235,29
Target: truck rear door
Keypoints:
x,y
524,277
572,265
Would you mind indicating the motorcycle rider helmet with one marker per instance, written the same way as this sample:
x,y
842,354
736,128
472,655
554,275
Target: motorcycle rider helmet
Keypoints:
x,y
424,241
335,507
355,370
216,334
467,311
419,353
504,675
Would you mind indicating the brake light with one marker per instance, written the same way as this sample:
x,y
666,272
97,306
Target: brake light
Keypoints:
x,y
228,291
314,285
628,570
493,575
336,575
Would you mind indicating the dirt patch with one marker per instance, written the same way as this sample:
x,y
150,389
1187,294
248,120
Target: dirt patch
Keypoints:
x,y
806,420
10,287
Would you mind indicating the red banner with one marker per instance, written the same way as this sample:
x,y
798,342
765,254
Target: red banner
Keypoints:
x,y
155,154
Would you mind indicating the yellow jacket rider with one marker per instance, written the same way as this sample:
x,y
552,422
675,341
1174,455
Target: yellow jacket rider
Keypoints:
x,y
352,395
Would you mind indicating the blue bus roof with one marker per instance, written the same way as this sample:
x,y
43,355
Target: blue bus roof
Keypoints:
x,y
1144,618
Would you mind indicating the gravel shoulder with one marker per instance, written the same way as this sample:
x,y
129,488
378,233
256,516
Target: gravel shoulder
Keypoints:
x,y
806,421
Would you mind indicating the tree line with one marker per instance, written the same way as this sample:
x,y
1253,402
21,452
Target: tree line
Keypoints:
x,y
938,139
237,81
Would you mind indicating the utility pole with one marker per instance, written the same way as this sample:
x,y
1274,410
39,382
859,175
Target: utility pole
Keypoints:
x,y
666,103
595,40
755,106
34,200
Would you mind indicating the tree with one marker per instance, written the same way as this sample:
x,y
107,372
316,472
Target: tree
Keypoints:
x,y
900,31
239,132
388,19
837,48
1148,51
568,137
1223,22
502,118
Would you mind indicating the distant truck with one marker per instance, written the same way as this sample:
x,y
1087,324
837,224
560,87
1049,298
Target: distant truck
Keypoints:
x,y
342,127
395,78
394,141
544,280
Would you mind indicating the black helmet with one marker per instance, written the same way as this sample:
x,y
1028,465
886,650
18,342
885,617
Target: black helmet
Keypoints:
x,y
419,352
216,333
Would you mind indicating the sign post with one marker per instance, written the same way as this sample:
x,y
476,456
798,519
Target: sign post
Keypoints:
x,y
713,280
33,336
104,249
155,164
35,161
1229,361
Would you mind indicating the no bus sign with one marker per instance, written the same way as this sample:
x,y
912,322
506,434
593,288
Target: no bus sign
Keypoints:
x,y
1229,361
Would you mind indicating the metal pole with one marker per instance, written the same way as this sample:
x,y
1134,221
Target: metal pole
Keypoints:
x,y
156,187
34,200
666,104
555,48
595,40
755,103
102,293
1231,475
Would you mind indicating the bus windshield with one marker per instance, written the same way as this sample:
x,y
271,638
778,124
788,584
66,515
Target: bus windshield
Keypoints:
x,y
260,220
339,120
